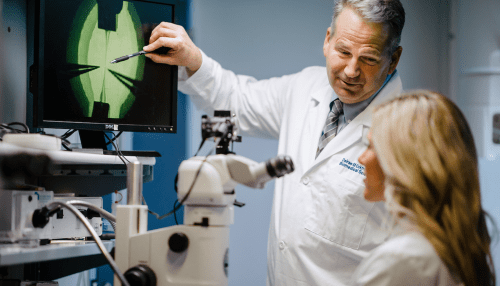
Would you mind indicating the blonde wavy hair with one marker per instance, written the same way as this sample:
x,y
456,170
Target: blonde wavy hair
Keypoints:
x,y
427,152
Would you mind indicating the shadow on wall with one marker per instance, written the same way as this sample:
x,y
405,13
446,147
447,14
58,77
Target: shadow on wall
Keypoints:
x,y
489,176
1,59
13,44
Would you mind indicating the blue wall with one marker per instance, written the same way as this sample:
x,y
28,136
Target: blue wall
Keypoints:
x,y
160,194
489,177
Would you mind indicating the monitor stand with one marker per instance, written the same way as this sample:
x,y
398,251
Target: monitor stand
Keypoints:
x,y
96,140
92,139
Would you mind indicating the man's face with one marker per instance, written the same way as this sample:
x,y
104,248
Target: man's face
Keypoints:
x,y
356,60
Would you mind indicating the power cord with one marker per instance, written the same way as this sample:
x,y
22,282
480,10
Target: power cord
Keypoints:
x,y
64,139
114,137
26,128
66,143
68,133
5,128
104,214
176,208
119,153
183,199
175,213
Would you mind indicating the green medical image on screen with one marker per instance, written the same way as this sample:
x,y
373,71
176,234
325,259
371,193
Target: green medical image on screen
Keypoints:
x,y
81,38
91,50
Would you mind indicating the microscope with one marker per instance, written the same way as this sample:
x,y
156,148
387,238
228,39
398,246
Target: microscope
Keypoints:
x,y
195,253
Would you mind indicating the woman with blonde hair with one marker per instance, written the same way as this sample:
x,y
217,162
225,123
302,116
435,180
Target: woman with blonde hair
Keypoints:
x,y
421,160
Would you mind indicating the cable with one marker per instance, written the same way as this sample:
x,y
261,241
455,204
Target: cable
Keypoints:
x,y
105,214
26,128
79,215
190,188
117,145
121,196
119,153
10,129
65,143
64,138
175,213
115,137
194,181
183,199
68,133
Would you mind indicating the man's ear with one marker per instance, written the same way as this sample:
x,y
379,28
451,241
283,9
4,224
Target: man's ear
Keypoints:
x,y
395,59
327,40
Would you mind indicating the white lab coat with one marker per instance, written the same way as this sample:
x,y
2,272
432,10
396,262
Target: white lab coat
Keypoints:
x,y
321,226
407,259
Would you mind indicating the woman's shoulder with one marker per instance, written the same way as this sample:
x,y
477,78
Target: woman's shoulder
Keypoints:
x,y
406,257
411,248
409,244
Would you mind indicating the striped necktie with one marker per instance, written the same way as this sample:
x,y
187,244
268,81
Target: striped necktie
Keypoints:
x,y
331,125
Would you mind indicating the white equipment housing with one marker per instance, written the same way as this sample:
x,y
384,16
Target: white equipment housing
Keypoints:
x,y
15,219
195,253
69,226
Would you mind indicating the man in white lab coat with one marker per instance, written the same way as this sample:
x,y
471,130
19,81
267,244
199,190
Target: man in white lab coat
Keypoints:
x,y
321,227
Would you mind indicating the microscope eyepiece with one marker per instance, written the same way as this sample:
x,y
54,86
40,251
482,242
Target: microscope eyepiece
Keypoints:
x,y
279,166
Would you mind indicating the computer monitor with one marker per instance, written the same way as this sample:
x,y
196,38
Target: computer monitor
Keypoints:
x,y
72,82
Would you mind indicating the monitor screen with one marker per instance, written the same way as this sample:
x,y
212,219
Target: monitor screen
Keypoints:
x,y
73,81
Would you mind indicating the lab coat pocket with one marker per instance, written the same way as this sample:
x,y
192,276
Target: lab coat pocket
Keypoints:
x,y
339,213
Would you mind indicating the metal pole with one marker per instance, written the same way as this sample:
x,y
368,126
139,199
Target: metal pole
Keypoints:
x,y
134,183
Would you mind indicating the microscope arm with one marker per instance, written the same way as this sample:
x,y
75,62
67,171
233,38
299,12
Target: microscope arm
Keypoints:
x,y
255,175
211,180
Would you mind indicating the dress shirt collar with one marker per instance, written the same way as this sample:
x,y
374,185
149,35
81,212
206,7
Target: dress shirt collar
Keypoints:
x,y
352,110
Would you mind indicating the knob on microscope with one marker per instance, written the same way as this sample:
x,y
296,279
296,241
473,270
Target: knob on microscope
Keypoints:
x,y
140,275
178,242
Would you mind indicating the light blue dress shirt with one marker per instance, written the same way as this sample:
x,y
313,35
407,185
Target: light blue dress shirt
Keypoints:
x,y
352,110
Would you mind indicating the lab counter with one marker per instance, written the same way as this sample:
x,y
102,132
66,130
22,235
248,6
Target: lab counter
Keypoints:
x,y
52,261
56,250
83,174
76,174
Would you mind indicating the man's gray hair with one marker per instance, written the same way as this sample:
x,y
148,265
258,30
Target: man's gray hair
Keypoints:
x,y
388,12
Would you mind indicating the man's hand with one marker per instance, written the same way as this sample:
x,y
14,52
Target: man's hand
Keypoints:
x,y
183,51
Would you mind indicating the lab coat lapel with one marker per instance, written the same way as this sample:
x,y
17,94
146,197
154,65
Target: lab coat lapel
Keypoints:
x,y
316,114
346,137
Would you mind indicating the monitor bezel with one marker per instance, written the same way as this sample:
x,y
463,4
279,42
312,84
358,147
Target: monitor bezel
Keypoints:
x,y
35,92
